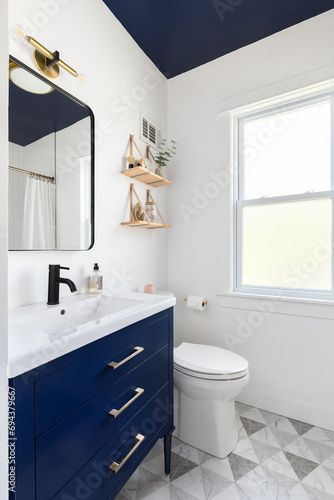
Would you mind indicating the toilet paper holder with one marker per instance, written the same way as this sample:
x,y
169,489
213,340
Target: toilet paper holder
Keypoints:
x,y
204,303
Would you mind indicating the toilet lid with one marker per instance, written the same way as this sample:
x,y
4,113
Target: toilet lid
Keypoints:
x,y
209,360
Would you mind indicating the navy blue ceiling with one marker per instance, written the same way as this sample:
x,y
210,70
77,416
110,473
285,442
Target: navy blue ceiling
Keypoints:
x,y
33,116
179,35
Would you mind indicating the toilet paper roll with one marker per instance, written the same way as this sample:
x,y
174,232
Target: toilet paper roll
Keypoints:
x,y
196,303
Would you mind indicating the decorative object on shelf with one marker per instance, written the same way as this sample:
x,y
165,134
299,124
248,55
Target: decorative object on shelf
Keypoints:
x,y
166,152
145,220
131,159
132,162
150,208
47,62
137,212
140,169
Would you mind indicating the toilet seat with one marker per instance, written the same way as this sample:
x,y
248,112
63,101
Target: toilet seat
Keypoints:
x,y
209,362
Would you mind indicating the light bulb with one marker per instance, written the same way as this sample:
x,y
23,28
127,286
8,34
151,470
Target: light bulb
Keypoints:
x,y
20,33
82,78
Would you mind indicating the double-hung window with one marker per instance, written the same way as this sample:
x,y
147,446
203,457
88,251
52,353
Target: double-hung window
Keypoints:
x,y
284,199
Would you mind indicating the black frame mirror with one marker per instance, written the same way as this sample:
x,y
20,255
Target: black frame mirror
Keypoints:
x,y
77,109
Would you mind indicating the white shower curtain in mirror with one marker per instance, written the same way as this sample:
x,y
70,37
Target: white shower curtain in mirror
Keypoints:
x,y
39,215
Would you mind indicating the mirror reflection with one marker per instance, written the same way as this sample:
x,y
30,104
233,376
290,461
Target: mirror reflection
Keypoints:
x,y
50,166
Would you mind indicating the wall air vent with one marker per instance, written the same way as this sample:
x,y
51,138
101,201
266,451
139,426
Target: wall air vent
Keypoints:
x,y
149,133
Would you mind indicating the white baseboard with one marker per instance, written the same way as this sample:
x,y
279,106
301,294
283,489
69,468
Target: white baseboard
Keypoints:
x,y
287,408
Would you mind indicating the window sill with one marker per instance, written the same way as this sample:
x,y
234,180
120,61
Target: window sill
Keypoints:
x,y
292,306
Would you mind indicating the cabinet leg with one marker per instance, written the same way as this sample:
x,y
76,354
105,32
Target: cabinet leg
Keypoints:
x,y
168,452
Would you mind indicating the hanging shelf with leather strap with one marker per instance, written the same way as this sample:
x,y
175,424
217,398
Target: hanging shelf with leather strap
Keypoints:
x,y
137,213
138,168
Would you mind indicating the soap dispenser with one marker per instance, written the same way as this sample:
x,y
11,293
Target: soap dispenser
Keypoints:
x,y
96,280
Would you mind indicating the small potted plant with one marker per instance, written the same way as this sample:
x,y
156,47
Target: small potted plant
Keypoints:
x,y
166,152
137,212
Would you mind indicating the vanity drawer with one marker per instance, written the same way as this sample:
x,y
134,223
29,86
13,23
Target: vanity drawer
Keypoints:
x,y
68,382
96,481
68,446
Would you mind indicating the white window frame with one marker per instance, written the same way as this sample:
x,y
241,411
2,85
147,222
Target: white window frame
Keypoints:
x,y
261,110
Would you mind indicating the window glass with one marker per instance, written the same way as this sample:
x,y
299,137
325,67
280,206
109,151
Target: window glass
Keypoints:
x,y
286,152
288,245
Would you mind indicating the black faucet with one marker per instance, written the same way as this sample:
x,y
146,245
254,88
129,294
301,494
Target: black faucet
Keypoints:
x,y
54,282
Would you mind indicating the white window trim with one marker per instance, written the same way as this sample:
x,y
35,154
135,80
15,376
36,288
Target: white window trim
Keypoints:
x,y
272,305
316,93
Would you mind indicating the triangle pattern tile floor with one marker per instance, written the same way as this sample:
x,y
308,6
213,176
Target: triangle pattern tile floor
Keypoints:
x,y
276,458
251,426
301,466
301,427
240,466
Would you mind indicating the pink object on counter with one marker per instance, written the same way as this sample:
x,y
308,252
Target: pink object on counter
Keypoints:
x,y
149,289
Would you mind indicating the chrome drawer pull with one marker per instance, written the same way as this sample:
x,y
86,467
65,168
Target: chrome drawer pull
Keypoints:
x,y
139,391
115,364
115,466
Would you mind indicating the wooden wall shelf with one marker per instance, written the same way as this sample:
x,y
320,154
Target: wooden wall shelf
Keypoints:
x,y
144,220
146,225
145,176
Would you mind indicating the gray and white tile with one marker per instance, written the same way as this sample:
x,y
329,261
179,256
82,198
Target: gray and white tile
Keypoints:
x,y
321,451
315,494
270,417
245,449
226,491
148,483
263,451
266,436
301,466
320,436
291,490
276,458
256,485
329,463
167,492
251,426
240,407
301,427
284,425
301,448
240,466
220,467
278,465
253,414
283,438
186,451
195,483
321,479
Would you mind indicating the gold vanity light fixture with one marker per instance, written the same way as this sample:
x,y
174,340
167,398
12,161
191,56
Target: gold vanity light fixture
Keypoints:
x,y
47,62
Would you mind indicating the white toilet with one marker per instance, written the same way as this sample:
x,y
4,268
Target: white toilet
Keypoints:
x,y
207,381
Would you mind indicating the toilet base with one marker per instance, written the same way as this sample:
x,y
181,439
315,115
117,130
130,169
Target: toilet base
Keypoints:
x,y
208,424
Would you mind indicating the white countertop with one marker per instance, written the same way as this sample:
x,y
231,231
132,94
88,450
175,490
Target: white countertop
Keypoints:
x,y
33,340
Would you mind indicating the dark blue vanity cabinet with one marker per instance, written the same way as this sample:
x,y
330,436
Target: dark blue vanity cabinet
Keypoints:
x,y
85,421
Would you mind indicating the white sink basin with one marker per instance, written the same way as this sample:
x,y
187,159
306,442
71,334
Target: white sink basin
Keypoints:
x,y
39,333
72,314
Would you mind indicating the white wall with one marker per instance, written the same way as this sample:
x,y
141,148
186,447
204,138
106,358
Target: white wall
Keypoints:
x,y
3,247
38,156
69,186
120,82
290,355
